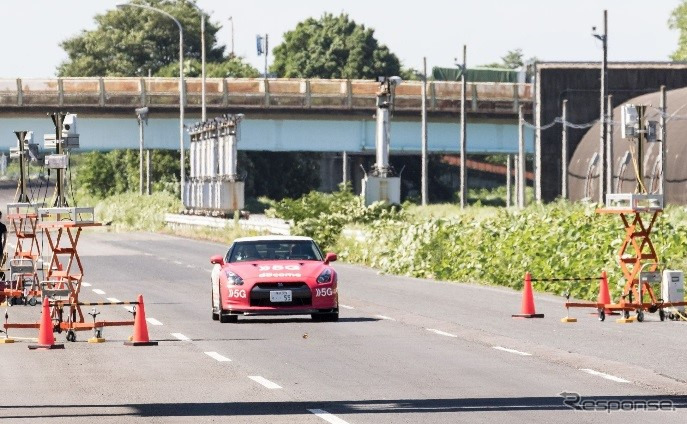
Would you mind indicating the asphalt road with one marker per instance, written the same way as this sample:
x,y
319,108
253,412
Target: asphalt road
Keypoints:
x,y
404,350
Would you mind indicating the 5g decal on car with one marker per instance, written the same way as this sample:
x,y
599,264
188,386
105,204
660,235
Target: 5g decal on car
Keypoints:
x,y
323,292
237,293
279,267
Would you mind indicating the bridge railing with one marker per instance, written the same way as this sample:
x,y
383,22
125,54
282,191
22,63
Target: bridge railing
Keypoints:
x,y
244,93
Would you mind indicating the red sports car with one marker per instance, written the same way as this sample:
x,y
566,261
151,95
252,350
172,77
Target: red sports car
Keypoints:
x,y
274,275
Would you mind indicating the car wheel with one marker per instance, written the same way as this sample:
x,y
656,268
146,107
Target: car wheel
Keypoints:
x,y
225,318
215,315
326,317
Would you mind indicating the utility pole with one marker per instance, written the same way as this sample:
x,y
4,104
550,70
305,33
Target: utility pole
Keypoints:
x,y
344,160
148,172
231,21
521,158
463,144
602,115
508,178
267,50
664,133
609,145
424,132
564,151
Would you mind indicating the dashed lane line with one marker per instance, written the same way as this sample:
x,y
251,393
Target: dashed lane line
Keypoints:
x,y
441,333
181,337
385,317
265,382
218,357
333,419
517,352
604,375
86,284
113,299
153,321
346,306
98,291
178,262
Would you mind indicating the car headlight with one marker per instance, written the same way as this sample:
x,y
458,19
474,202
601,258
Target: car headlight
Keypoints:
x,y
233,278
325,276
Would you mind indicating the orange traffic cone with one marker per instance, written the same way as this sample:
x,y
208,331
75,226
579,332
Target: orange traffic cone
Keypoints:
x,y
140,337
46,338
604,293
527,309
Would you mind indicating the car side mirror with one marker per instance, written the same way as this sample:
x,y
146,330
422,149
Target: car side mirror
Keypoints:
x,y
330,257
217,259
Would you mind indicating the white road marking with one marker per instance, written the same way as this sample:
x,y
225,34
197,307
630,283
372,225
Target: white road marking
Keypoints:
x,y
113,299
153,321
147,254
181,337
218,357
265,382
86,284
346,306
333,419
604,375
98,291
190,266
385,317
517,352
441,333
178,262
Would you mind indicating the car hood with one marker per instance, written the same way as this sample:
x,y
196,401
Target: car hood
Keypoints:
x,y
276,270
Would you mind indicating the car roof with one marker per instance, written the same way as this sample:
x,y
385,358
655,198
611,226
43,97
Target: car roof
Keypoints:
x,y
273,238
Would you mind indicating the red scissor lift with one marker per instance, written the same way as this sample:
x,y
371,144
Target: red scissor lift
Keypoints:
x,y
23,267
637,257
62,228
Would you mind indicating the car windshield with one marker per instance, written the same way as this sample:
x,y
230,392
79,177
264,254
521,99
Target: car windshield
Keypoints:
x,y
301,250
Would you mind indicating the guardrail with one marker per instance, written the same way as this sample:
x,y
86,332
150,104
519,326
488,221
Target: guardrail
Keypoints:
x,y
245,93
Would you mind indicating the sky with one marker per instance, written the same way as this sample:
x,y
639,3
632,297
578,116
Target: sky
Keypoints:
x,y
551,30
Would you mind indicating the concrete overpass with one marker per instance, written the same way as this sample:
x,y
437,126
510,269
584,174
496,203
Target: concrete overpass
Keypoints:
x,y
281,114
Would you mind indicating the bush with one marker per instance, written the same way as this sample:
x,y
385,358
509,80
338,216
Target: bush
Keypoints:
x,y
556,240
131,211
322,216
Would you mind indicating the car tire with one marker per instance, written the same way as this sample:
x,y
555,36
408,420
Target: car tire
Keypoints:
x,y
326,316
225,318
215,314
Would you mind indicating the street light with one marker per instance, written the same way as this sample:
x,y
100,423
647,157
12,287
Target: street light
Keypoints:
x,y
181,87
602,122
202,48
231,20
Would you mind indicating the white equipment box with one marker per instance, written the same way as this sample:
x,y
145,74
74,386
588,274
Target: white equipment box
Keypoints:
x,y
673,287
385,189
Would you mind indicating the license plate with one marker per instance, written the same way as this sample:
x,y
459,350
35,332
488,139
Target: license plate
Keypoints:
x,y
281,296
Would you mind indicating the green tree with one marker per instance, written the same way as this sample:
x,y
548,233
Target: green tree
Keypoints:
x,y
513,59
333,47
229,68
678,21
131,41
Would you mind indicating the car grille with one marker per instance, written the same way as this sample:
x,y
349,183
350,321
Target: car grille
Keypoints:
x,y
301,294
